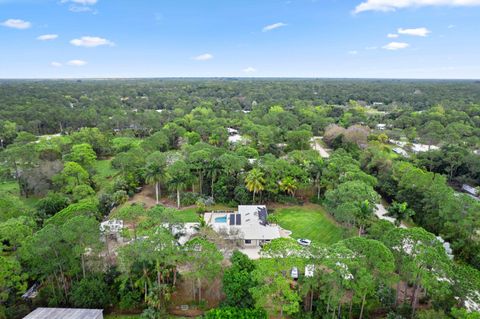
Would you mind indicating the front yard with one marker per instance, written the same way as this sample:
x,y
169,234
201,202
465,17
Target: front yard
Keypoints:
x,y
311,222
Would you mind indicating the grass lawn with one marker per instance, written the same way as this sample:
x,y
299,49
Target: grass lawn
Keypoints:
x,y
11,188
188,215
104,172
311,222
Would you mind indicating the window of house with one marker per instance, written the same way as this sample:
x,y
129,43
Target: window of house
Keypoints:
x,y
248,241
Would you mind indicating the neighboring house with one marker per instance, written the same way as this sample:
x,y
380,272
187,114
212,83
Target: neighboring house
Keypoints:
x,y
235,139
65,313
400,151
415,147
381,127
470,189
248,223
113,226
232,131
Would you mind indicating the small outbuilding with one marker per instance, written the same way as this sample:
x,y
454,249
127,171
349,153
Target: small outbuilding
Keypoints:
x,y
65,313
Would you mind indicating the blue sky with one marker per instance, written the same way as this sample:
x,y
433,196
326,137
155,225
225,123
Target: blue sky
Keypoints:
x,y
234,38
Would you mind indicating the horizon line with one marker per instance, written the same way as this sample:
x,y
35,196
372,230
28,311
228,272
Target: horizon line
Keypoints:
x,y
230,77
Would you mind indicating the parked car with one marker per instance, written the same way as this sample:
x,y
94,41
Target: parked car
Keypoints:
x,y
294,273
304,242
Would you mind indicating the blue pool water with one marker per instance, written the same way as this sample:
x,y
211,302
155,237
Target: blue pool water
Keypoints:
x,y
221,219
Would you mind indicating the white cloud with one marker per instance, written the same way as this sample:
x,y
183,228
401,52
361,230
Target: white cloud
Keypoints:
x,y
396,46
75,8
76,62
249,70
85,2
81,5
81,2
47,37
451,26
274,26
56,64
392,35
91,42
353,52
16,24
417,32
203,57
392,5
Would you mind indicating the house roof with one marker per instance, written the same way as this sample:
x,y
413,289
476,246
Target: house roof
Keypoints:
x,y
252,222
65,313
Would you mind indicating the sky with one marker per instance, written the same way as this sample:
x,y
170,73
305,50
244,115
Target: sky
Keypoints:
x,y
434,39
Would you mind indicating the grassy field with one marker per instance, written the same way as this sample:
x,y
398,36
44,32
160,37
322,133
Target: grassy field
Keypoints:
x,y
311,222
188,215
104,172
11,188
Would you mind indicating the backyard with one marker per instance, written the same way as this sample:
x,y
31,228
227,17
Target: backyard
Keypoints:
x,y
311,222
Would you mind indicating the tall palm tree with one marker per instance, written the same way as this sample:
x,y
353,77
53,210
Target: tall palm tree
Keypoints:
x,y
255,181
154,175
178,177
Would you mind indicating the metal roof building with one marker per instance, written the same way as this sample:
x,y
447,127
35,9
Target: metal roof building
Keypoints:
x,y
65,313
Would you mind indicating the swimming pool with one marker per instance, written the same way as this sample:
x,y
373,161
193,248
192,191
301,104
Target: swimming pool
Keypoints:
x,y
222,219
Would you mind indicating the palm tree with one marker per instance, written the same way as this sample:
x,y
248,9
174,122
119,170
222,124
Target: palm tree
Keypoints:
x,y
289,185
154,175
255,182
178,176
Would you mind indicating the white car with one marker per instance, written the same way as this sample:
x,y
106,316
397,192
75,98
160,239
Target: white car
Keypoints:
x,y
304,242
294,273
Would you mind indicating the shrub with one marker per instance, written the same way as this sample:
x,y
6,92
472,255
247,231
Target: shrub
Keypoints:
x,y
236,313
90,292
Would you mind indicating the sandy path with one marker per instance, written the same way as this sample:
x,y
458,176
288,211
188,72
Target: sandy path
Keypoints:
x,y
382,213
316,145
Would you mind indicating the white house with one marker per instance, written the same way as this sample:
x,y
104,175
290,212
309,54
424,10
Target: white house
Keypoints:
x,y
400,151
470,189
113,226
249,223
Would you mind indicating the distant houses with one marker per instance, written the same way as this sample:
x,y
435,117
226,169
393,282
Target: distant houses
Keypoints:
x,y
65,313
234,137
414,147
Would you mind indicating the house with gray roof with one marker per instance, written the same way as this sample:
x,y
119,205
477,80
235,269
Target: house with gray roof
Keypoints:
x,y
249,223
65,313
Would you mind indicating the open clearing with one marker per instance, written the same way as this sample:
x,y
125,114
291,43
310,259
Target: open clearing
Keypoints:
x,y
311,222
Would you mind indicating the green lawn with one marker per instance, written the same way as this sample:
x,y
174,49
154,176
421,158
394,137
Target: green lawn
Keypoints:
x,y
311,222
188,215
11,188
104,172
